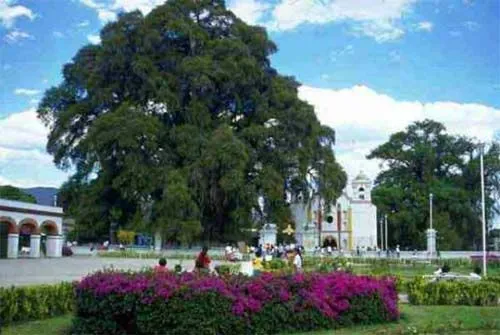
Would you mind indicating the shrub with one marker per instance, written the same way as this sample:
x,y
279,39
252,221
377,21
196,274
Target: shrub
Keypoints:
x,y
35,302
126,236
228,269
166,303
482,293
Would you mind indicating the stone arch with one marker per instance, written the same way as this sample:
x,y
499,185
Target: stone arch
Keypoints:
x,y
30,223
50,227
330,241
11,224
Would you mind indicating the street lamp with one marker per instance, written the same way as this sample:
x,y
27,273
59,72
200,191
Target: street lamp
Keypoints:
x,y
386,245
430,209
381,234
483,209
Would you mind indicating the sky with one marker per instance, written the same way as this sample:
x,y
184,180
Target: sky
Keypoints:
x,y
370,68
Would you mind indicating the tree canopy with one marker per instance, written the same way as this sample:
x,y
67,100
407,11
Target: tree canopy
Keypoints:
x,y
177,121
425,159
13,193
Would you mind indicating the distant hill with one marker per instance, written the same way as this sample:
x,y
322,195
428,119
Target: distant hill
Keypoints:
x,y
43,195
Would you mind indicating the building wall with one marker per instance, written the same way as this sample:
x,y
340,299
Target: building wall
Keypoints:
x,y
22,211
364,217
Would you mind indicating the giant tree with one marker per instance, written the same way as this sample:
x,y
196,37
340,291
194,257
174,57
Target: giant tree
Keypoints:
x,y
425,159
178,121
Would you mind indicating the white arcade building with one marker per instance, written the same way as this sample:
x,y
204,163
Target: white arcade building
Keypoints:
x,y
351,221
29,230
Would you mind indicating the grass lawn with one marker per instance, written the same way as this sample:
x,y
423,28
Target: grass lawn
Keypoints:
x,y
463,320
54,326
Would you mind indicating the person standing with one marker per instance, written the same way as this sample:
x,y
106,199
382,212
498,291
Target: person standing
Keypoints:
x,y
297,261
202,263
398,252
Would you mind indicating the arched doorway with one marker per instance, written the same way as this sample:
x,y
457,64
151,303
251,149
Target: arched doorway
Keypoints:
x,y
7,227
51,240
330,241
29,238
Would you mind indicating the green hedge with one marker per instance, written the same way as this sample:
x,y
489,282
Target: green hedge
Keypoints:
x,y
156,255
481,293
25,303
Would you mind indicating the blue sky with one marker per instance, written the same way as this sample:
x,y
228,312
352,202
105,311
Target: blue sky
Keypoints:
x,y
369,66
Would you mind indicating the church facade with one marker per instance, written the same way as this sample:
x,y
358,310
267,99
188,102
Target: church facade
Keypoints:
x,y
348,223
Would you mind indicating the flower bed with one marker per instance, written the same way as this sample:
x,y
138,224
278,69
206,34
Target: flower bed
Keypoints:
x,y
165,303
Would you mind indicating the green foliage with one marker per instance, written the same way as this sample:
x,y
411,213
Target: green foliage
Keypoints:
x,y
228,269
275,264
35,302
176,121
447,292
126,236
13,193
424,159
156,255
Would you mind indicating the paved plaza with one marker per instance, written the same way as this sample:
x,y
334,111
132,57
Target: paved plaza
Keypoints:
x,y
54,270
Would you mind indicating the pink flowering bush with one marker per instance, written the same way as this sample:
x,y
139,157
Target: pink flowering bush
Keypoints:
x,y
187,303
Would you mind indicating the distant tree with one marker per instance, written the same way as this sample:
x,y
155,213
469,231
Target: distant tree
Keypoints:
x,y
177,121
424,159
13,193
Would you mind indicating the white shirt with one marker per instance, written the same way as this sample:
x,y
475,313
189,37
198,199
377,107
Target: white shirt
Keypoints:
x,y
297,261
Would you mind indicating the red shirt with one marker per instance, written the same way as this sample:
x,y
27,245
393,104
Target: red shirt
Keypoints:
x,y
203,259
160,268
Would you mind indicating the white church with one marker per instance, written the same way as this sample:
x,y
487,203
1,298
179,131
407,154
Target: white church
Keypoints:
x,y
349,223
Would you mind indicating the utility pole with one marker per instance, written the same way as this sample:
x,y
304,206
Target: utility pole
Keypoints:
x,y
483,211
386,245
381,234
430,209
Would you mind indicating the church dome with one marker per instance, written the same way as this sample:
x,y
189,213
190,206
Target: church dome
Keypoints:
x,y
362,177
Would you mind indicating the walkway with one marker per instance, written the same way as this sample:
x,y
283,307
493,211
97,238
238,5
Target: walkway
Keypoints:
x,y
54,270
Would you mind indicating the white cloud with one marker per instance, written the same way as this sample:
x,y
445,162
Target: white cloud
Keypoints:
x,y
250,11
34,101
471,25
106,15
336,54
9,13
82,24
23,160
379,19
22,131
364,119
395,56
94,39
145,6
425,26
16,35
25,91
108,11
57,34
381,31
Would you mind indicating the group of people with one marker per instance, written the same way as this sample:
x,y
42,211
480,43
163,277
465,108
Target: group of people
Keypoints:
x,y
281,252
203,261
201,264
